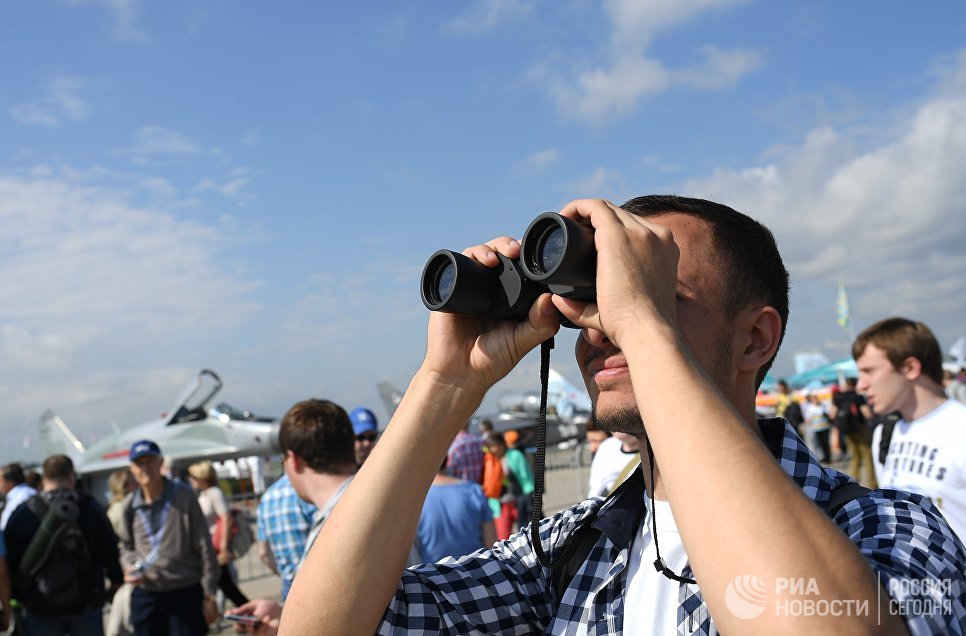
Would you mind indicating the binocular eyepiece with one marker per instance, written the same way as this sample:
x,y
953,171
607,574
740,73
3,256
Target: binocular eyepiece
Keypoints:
x,y
557,255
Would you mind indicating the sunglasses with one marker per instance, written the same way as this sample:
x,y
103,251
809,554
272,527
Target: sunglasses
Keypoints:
x,y
366,438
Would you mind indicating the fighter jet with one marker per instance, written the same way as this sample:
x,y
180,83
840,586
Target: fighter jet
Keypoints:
x,y
568,411
189,432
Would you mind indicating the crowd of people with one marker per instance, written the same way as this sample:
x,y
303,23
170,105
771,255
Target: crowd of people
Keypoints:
x,y
426,527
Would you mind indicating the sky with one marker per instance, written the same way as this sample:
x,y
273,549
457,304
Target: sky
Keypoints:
x,y
255,187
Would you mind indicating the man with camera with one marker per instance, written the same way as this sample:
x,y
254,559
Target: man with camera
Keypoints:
x,y
691,303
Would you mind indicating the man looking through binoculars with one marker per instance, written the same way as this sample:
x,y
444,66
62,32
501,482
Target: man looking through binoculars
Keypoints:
x,y
691,303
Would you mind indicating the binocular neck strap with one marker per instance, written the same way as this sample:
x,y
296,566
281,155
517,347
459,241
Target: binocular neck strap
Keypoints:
x,y
540,459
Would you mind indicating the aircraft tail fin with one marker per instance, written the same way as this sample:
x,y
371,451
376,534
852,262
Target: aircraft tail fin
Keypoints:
x,y
569,399
391,397
56,438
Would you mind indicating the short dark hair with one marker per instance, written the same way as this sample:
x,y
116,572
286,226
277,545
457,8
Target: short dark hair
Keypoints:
x,y
495,438
58,468
751,266
32,479
902,338
320,433
13,473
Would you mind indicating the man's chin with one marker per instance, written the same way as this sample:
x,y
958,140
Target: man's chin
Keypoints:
x,y
619,419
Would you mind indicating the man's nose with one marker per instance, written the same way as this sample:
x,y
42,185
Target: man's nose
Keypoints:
x,y
595,338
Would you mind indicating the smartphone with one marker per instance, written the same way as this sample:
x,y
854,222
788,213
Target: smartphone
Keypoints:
x,y
243,619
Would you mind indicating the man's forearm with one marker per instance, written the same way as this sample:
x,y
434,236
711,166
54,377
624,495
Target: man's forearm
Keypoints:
x,y
6,592
353,568
266,556
738,513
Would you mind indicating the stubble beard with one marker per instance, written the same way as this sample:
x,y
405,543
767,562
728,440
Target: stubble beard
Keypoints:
x,y
627,419
624,420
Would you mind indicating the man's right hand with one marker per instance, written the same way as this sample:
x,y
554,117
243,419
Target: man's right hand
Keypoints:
x,y
133,577
475,353
266,611
350,574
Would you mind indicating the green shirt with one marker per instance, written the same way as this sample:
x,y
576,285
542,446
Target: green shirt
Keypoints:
x,y
520,467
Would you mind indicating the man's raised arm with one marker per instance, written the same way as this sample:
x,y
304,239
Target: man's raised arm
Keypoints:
x,y
353,569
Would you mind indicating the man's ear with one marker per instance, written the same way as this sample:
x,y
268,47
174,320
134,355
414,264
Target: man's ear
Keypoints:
x,y
760,336
911,368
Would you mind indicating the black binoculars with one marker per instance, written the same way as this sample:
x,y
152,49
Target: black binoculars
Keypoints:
x,y
557,255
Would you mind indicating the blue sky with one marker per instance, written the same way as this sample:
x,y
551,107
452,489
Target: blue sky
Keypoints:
x,y
255,187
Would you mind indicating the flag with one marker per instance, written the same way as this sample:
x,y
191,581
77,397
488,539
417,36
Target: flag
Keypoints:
x,y
958,351
844,309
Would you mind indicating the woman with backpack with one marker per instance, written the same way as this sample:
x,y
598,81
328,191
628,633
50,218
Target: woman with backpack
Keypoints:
x,y
214,505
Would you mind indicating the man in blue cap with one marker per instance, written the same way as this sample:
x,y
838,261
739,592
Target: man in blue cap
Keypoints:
x,y
166,552
365,426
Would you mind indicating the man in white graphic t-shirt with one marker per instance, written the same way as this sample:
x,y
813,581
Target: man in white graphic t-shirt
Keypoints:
x,y
900,369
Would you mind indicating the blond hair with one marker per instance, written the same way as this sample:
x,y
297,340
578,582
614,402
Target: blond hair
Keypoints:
x,y
204,471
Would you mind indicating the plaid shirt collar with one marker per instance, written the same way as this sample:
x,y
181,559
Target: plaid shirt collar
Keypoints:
x,y
901,535
620,517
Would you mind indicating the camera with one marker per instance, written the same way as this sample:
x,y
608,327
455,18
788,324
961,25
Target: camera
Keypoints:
x,y
557,255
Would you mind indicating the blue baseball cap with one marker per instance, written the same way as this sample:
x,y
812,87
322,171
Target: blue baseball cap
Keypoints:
x,y
144,448
363,421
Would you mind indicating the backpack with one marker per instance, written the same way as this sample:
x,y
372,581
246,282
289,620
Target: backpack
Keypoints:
x,y
241,538
849,418
55,566
793,413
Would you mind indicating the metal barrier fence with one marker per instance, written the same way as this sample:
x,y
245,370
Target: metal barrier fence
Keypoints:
x,y
250,566
565,478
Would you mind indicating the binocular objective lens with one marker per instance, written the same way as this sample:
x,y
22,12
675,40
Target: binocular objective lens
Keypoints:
x,y
445,282
550,249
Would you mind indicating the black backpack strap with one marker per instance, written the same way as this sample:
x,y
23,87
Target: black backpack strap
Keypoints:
x,y
888,427
128,511
37,505
843,495
575,552
581,541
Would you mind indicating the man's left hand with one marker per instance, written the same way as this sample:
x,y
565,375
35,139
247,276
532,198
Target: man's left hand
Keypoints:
x,y
210,609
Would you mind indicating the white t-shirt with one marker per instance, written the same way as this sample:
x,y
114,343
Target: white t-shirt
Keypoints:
x,y
651,599
928,456
609,461
213,504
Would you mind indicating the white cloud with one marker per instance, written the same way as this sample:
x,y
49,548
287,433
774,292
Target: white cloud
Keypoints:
x,y
486,14
327,314
721,69
125,15
230,187
600,182
80,256
125,19
889,218
90,280
156,140
541,159
158,186
597,92
61,102
249,138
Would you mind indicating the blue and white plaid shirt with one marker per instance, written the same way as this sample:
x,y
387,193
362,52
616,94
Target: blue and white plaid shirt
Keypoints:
x,y
504,590
284,521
